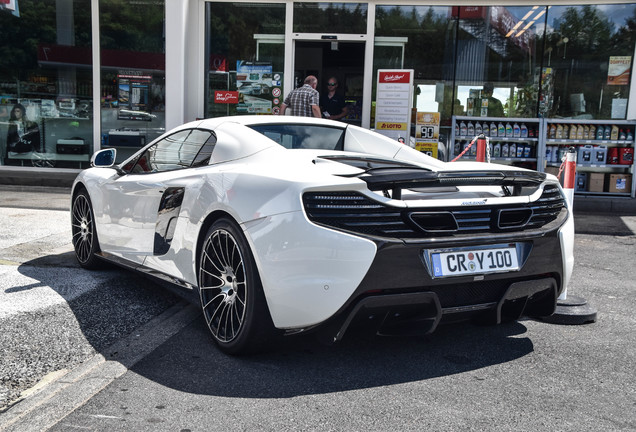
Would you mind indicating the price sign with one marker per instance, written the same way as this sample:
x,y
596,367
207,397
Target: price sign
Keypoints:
x,y
427,132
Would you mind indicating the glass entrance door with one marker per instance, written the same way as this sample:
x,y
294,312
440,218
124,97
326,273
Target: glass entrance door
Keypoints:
x,y
336,62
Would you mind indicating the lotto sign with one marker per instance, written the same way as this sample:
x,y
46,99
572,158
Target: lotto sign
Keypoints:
x,y
429,148
391,126
394,99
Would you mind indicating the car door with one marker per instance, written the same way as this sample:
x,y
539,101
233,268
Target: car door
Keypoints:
x,y
143,205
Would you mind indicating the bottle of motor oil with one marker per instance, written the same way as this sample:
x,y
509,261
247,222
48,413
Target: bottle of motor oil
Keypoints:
x,y
566,131
516,130
614,133
573,132
607,133
622,135
508,130
559,131
552,131
524,130
600,132
493,129
478,129
512,150
501,130
630,135
462,129
579,132
520,150
470,129
456,129
496,150
505,150
592,132
586,132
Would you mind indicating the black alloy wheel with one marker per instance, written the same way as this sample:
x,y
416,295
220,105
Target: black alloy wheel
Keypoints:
x,y
83,228
231,293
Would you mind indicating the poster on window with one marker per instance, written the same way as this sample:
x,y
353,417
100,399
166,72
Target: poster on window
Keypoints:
x,y
254,86
619,69
133,89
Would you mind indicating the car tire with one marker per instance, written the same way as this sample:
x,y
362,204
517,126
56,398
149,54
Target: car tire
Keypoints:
x,y
231,292
85,241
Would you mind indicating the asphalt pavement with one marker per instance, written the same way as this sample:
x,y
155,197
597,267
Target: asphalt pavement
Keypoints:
x,y
109,350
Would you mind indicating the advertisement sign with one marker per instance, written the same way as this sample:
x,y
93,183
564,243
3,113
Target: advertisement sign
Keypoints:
x,y
254,87
619,70
393,103
226,97
427,132
133,95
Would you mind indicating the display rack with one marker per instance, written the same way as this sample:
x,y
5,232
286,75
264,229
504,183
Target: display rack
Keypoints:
x,y
520,134
605,154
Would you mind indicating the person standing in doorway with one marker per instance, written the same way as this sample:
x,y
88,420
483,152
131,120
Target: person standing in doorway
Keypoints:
x,y
303,101
332,104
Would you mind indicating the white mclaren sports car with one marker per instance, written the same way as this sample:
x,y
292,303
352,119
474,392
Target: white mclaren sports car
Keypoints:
x,y
281,225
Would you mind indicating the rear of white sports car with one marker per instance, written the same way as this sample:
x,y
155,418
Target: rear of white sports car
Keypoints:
x,y
414,247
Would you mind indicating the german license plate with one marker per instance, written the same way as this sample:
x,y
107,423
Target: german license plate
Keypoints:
x,y
460,262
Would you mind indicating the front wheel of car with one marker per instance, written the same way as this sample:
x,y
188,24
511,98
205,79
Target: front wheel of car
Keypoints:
x,y
83,229
231,293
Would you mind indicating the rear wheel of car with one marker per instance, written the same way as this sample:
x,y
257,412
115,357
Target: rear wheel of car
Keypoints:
x,y
232,296
83,228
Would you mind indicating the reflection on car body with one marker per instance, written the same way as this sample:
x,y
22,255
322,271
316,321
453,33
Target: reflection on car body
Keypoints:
x,y
288,225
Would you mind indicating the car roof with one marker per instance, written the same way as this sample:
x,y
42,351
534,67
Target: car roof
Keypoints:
x,y
249,120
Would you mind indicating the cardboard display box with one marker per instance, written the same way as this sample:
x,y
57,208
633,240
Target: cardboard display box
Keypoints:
x,y
596,182
620,183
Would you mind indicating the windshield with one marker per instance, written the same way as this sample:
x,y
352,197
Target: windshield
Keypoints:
x,y
303,136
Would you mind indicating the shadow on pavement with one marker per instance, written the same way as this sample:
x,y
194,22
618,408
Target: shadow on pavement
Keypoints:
x,y
604,224
118,302
299,365
190,362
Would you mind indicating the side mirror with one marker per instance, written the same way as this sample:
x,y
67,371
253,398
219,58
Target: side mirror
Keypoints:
x,y
104,158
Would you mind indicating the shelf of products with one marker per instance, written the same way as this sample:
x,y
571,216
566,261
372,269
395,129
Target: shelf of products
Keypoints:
x,y
513,141
605,154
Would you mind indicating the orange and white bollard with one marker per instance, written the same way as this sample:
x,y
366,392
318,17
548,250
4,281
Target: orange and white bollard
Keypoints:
x,y
572,309
569,172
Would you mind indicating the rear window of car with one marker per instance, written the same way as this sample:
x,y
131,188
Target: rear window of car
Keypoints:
x,y
304,136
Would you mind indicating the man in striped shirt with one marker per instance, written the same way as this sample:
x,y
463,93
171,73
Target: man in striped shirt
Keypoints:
x,y
303,101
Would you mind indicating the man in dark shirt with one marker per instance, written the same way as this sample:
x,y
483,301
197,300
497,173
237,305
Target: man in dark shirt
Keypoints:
x,y
332,104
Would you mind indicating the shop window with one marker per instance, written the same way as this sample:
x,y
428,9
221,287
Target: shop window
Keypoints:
x,y
587,61
498,60
132,74
46,84
421,38
330,17
245,54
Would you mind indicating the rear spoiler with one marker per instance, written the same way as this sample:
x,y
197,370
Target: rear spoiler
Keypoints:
x,y
390,174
